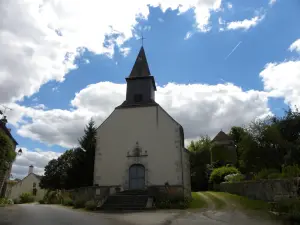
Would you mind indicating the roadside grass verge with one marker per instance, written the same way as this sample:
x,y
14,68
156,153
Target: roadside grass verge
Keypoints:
x,y
197,202
246,203
219,203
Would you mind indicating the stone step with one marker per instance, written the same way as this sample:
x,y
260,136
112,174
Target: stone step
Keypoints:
x,y
129,200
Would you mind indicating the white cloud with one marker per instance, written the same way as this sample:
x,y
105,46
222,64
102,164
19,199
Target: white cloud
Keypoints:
x,y
201,109
229,5
40,39
283,80
40,106
272,2
244,24
188,35
38,159
295,46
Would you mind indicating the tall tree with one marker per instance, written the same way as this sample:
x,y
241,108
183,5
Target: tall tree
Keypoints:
x,y
88,143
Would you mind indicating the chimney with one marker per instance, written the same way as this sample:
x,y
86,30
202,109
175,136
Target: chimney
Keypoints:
x,y
30,169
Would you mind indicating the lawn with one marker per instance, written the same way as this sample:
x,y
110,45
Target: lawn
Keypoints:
x,y
245,203
198,202
219,203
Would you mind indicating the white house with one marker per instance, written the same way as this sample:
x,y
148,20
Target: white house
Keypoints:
x,y
29,184
140,145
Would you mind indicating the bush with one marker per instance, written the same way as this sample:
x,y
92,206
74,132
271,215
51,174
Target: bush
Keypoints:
x,y
217,176
42,201
6,201
291,171
53,197
26,198
79,203
90,205
231,178
67,201
264,174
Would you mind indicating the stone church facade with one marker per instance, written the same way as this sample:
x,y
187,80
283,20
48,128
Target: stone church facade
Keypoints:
x,y
140,146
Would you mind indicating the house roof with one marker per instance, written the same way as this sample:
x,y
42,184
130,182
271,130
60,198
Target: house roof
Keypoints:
x,y
140,67
221,136
6,130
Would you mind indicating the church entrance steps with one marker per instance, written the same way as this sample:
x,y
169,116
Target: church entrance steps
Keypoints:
x,y
126,200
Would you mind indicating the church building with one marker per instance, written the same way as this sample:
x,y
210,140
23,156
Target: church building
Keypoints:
x,y
140,146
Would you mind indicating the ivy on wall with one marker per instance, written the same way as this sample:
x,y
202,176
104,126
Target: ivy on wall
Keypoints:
x,y
7,153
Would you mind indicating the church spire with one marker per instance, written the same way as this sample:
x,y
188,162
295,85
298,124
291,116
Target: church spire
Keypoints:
x,y
140,67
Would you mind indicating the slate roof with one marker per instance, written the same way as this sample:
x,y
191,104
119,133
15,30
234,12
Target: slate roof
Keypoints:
x,y
221,136
140,67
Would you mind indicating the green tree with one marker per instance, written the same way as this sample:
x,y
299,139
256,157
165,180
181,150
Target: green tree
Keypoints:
x,y
199,159
88,143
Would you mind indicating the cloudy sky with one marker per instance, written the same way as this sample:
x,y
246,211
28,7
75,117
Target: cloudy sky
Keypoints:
x,y
217,63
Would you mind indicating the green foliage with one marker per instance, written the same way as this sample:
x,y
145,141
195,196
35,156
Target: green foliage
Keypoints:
x,y
26,198
79,203
199,159
231,178
67,201
74,168
7,154
289,209
53,197
217,176
223,154
291,171
265,173
6,201
91,205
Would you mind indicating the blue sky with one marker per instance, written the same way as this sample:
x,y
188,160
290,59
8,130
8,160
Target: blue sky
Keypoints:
x,y
259,33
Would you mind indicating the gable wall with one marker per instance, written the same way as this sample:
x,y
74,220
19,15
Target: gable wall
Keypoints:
x,y
156,133
26,185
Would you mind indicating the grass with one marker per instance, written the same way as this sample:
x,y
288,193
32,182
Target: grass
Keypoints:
x,y
219,203
246,203
197,202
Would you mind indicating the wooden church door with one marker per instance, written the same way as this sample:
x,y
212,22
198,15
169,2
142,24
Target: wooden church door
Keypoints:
x,y
137,177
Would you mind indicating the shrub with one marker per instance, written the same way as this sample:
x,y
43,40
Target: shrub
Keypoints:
x,y
231,178
217,176
42,201
291,171
6,201
90,205
79,203
274,176
263,174
26,198
53,197
67,201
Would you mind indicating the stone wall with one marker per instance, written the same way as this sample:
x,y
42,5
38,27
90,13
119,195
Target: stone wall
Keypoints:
x,y
161,192
97,193
266,190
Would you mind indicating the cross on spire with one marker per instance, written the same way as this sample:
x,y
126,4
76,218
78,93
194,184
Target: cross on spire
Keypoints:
x,y
142,39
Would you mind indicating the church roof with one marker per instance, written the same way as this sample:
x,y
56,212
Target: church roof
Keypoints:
x,y
140,67
221,136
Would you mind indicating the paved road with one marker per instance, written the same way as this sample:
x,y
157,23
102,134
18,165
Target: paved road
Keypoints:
x,y
35,214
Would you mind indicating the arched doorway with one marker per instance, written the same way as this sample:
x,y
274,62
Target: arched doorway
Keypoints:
x,y
137,177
